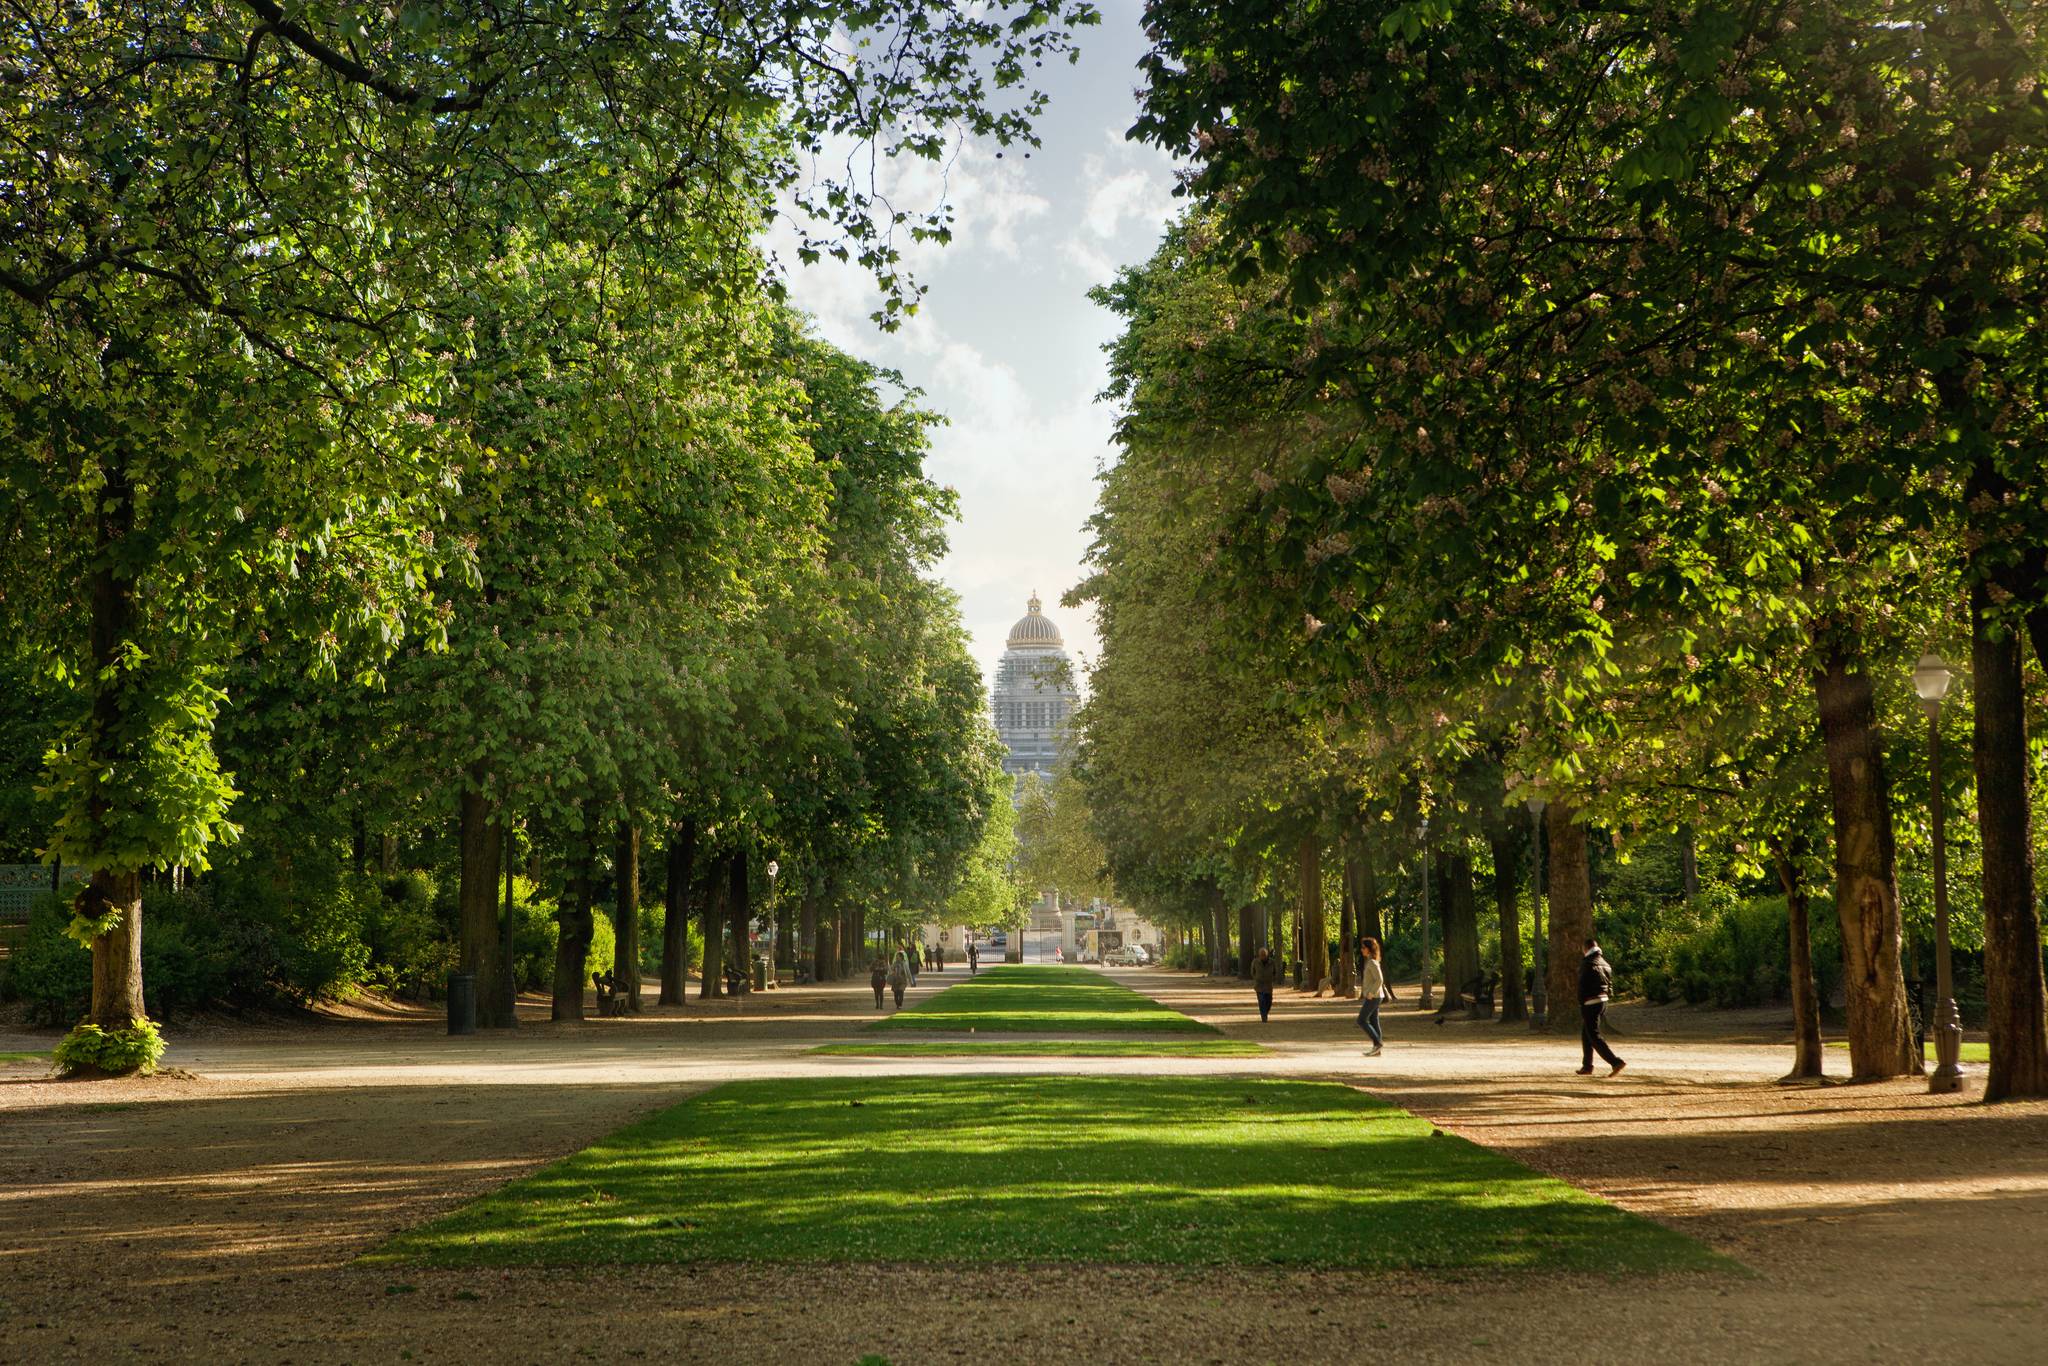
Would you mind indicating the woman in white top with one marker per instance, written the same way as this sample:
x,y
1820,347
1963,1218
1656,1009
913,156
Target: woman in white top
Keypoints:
x,y
1372,989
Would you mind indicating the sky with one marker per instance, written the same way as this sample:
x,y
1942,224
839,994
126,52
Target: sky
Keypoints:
x,y
1006,343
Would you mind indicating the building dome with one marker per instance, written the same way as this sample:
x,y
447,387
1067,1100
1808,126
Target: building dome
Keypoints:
x,y
1034,630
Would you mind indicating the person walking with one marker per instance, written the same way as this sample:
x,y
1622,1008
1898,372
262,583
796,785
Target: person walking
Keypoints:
x,y
909,957
899,978
1265,972
1596,985
878,978
973,959
1372,989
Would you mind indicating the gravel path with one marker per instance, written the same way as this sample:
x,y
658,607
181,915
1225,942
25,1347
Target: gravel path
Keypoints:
x,y
211,1214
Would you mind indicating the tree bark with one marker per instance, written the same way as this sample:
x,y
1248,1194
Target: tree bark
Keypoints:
x,y
2013,987
1866,884
807,932
572,941
830,919
1247,938
675,915
1571,912
1506,844
481,841
1455,903
387,854
626,916
116,955
1347,927
713,925
1314,932
1370,924
740,909
1689,864
1806,1054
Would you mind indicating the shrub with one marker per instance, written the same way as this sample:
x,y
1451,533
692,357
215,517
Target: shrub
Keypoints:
x,y
50,972
116,1052
410,951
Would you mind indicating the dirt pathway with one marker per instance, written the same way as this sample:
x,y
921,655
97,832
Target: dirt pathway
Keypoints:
x,y
212,1216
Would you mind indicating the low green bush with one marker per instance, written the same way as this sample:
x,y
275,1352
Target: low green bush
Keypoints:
x,y
90,1049
1730,951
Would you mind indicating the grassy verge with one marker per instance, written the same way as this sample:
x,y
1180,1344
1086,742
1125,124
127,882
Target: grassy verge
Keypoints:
x,y
1027,1000
1971,1052
1048,1048
24,1057
1179,1171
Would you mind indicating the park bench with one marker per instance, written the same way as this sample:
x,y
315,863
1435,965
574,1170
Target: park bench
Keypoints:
x,y
1479,993
609,1000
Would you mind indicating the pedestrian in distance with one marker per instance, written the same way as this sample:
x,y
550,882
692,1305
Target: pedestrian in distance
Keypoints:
x,y
1596,986
899,978
1372,989
909,957
1265,972
973,959
939,957
878,978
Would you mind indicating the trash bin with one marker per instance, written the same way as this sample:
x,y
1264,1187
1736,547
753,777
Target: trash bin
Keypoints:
x,y
761,972
462,1003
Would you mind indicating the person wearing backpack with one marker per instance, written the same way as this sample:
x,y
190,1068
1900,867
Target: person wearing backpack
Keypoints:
x,y
1372,989
878,978
899,978
1596,986
1265,972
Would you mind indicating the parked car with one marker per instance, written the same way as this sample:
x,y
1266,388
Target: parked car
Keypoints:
x,y
1126,956
1146,958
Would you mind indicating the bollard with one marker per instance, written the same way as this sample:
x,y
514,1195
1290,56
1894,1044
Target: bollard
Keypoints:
x,y
462,1003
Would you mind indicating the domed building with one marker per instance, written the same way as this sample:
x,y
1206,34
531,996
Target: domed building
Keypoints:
x,y
1034,693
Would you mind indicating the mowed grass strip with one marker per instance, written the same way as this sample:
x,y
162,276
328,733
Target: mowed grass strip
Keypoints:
x,y
1030,1000
1182,1171
1047,1048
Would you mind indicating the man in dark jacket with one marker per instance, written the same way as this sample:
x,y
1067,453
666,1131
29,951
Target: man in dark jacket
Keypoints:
x,y
1596,984
1265,972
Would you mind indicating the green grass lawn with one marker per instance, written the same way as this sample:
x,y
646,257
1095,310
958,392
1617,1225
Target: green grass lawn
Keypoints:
x,y
1027,1000
24,1057
1971,1052
1048,1048
1186,1170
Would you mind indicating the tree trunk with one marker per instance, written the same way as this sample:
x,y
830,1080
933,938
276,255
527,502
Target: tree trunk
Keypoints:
x,y
626,915
1370,924
1460,918
1247,938
830,921
2013,986
1347,928
739,908
1314,932
572,941
1866,885
675,914
1806,1054
387,854
117,954
1689,863
1571,912
1219,934
807,932
482,850
713,924
1506,845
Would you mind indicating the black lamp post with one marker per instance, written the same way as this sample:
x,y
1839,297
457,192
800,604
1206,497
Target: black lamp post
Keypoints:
x,y
1428,995
1539,1004
1931,678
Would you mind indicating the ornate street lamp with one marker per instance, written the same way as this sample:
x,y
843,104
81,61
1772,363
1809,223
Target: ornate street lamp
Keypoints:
x,y
1931,678
1539,1004
1428,997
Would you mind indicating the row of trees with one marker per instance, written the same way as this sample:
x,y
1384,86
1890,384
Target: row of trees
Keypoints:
x,y
430,351
1603,407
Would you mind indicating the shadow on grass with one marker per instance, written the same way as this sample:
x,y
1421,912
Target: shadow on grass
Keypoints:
x,y
1037,1169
